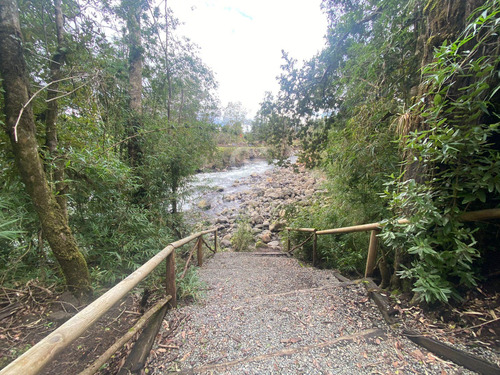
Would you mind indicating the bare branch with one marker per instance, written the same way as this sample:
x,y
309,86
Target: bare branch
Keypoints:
x,y
33,97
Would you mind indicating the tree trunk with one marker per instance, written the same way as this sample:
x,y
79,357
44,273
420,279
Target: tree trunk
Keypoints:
x,y
174,168
167,66
51,112
25,150
135,82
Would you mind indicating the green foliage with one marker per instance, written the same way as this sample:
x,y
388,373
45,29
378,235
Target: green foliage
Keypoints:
x,y
459,152
343,105
190,286
346,252
21,254
116,235
274,126
340,105
443,249
242,238
234,117
120,216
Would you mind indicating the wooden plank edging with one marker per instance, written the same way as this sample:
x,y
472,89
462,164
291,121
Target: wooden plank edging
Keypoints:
x,y
92,369
457,356
380,300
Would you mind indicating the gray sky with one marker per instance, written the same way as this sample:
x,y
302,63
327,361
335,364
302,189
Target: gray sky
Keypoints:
x,y
241,40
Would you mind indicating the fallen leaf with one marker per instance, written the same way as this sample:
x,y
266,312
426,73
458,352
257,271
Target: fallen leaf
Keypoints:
x,y
430,358
418,355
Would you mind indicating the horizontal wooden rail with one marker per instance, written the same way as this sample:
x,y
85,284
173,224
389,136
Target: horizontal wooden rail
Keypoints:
x,y
302,229
32,361
492,213
357,228
489,214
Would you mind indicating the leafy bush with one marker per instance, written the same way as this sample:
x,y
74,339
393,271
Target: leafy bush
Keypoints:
x,y
358,156
190,286
115,234
345,252
242,238
457,148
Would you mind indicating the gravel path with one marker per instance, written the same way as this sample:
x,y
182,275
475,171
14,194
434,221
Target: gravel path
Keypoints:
x,y
271,315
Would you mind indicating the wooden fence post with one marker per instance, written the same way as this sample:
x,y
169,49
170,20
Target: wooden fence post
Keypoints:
x,y
215,241
288,241
170,286
315,248
372,253
200,251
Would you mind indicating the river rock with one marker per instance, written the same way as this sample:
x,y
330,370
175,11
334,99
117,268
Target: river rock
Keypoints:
x,y
257,219
204,205
225,243
266,236
275,227
253,203
222,220
274,244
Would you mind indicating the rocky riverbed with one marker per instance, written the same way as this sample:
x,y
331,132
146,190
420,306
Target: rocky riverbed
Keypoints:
x,y
259,202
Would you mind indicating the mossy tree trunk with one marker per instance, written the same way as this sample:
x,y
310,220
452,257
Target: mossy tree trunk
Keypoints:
x,y
25,149
51,113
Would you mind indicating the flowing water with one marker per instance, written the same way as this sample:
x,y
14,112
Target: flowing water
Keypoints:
x,y
212,186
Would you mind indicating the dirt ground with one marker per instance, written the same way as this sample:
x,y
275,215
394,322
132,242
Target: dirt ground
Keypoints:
x,y
30,313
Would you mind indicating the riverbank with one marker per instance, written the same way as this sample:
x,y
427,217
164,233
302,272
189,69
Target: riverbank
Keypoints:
x,y
258,203
234,156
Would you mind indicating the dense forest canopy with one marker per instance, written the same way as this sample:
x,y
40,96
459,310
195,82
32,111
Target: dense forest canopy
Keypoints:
x,y
107,111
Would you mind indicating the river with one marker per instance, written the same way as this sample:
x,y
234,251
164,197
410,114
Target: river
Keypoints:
x,y
212,186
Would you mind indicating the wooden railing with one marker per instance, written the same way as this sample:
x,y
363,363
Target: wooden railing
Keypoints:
x,y
33,361
375,229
